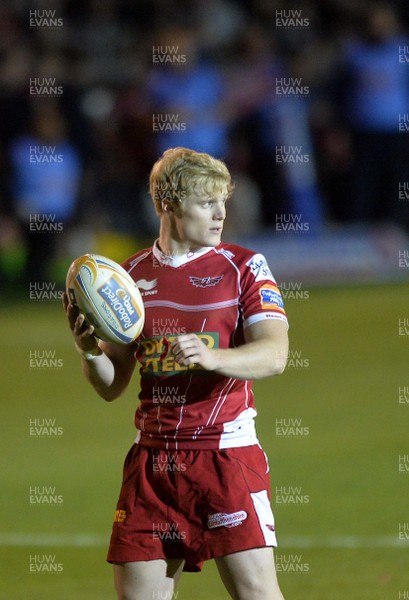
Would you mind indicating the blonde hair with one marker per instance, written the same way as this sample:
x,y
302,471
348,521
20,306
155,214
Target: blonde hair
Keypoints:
x,y
181,171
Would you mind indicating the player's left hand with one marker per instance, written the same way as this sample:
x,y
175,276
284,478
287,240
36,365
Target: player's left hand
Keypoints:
x,y
189,349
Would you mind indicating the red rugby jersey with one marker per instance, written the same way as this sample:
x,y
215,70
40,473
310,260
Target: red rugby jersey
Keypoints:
x,y
216,293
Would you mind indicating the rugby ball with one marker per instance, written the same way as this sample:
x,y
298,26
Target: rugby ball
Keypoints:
x,y
108,297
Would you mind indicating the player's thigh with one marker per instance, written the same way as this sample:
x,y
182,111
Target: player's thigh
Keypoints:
x,y
147,579
250,575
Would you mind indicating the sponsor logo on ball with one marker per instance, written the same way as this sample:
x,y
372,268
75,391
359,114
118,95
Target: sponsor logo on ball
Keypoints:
x,y
120,302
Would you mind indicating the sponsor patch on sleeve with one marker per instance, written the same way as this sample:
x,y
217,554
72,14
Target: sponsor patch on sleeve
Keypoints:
x,y
270,298
260,269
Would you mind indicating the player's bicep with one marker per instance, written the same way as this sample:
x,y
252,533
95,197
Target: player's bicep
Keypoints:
x,y
267,329
273,333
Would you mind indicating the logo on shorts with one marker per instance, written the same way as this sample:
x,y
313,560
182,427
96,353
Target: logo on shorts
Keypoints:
x,y
226,520
120,516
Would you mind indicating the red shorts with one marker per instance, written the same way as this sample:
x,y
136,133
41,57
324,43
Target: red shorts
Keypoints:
x,y
192,505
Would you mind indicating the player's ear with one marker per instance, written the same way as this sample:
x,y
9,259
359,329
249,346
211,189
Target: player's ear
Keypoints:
x,y
170,208
167,207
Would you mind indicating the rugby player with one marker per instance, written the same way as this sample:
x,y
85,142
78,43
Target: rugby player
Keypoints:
x,y
195,483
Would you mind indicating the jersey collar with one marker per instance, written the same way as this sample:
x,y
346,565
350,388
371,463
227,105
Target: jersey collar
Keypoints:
x,y
179,259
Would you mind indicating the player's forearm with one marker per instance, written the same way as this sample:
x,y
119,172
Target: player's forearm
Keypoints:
x,y
253,360
100,372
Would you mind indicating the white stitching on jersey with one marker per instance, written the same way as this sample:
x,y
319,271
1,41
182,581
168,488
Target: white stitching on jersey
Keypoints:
x,y
135,262
223,401
181,411
192,307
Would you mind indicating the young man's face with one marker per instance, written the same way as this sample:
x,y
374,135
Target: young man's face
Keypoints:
x,y
199,219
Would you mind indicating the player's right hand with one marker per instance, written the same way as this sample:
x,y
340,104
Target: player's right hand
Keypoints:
x,y
82,332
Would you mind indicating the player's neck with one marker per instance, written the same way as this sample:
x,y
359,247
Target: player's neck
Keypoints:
x,y
170,243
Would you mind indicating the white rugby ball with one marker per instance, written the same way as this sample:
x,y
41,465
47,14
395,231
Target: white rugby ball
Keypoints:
x,y
108,297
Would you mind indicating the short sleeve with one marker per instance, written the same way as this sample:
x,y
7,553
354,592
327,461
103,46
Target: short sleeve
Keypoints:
x,y
260,296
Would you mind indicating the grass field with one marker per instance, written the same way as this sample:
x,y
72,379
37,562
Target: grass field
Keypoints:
x,y
339,451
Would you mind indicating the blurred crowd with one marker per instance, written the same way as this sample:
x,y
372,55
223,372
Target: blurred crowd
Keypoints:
x,y
306,101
